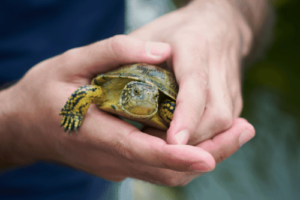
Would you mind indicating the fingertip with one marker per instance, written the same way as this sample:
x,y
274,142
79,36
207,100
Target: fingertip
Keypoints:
x,y
250,127
183,125
210,161
243,122
190,106
245,136
203,166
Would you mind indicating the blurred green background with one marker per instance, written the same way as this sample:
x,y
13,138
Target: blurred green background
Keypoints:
x,y
279,69
268,167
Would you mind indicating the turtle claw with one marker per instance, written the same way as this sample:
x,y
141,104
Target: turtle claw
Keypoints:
x,y
70,128
63,121
65,129
71,122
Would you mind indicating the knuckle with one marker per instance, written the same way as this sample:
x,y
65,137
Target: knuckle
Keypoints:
x,y
72,54
117,47
202,78
223,119
126,153
70,58
116,43
123,151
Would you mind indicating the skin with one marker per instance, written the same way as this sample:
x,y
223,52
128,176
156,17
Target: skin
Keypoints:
x,y
209,39
29,120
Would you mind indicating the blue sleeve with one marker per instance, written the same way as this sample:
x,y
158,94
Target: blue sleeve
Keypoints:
x,y
34,30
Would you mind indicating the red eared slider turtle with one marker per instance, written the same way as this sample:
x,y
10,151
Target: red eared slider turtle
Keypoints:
x,y
140,92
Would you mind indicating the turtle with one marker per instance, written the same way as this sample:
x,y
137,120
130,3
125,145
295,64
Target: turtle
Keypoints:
x,y
140,92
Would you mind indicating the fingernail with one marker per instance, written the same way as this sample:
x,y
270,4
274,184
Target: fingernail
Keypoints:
x,y
155,49
200,167
182,137
245,137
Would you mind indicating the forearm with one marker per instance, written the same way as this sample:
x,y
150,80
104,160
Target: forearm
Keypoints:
x,y
256,16
21,139
6,148
259,15
12,145
255,12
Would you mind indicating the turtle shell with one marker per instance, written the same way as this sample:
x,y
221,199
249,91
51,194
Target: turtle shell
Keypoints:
x,y
161,78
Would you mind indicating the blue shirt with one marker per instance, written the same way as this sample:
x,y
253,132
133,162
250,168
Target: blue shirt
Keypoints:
x,y
32,31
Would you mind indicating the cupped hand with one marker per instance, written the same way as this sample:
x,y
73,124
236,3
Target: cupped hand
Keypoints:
x,y
208,39
105,145
220,147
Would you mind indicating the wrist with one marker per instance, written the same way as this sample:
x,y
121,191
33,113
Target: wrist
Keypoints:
x,y
253,11
11,152
6,147
229,17
259,16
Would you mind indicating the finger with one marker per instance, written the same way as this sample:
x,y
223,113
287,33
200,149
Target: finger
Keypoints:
x,y
238,105
218,115
110,53
227,143
221,147
224,99
129,143
159,176
191,72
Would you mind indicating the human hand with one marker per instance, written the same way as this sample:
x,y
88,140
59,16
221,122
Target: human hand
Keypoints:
x,y
105,145
209,39
220,146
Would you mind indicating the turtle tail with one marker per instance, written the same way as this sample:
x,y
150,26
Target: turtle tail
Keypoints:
x,y
78,104
166,110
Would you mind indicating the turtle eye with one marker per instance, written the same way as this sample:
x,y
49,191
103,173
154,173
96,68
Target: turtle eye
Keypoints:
x,y
136,92
156,96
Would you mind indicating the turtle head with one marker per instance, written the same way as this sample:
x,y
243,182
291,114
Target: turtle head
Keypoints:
x,y
139,99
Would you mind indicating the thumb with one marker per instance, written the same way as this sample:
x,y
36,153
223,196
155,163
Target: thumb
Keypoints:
x,y
107,54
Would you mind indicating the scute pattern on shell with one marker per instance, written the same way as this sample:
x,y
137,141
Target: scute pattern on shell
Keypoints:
x,y
163,79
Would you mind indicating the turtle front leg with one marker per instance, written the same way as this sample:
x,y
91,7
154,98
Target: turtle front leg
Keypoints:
x,y
78,104
166,110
